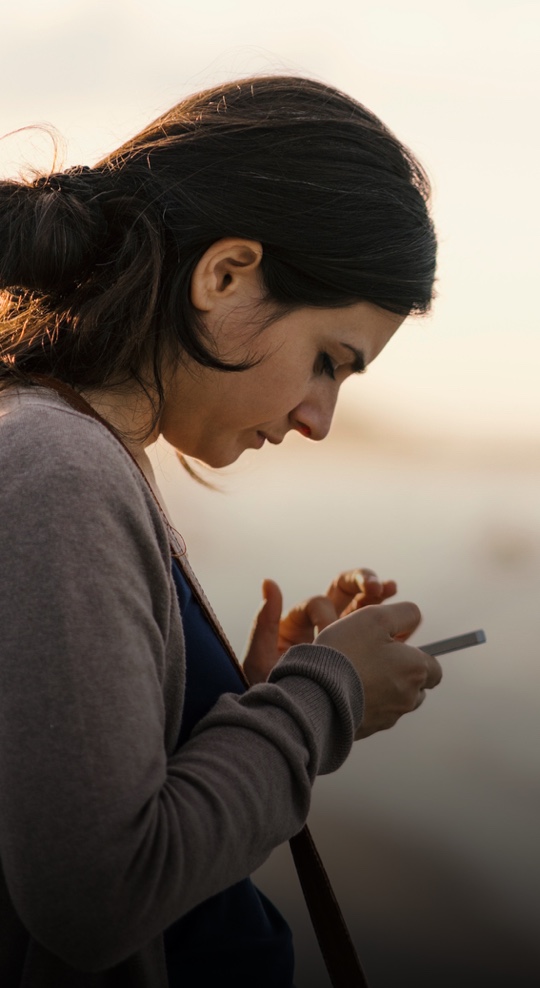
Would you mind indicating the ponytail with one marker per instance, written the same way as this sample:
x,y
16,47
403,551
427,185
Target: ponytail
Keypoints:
x,y
51,231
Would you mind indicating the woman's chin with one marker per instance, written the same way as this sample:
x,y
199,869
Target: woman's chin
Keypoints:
x,y
217,459
225,456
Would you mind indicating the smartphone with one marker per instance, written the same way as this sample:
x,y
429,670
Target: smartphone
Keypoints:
x,y
454,644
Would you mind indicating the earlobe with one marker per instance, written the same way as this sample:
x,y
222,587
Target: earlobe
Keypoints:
x,y
229,267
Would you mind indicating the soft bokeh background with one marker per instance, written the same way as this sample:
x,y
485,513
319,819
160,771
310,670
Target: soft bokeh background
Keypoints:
x,y
431,475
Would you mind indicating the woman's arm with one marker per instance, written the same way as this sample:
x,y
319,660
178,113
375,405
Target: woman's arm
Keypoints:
x,y
104,839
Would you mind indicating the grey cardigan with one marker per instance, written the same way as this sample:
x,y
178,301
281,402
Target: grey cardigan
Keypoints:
x,y
107,833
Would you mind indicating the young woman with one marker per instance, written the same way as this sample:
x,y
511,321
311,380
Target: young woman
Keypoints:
x,y
213,281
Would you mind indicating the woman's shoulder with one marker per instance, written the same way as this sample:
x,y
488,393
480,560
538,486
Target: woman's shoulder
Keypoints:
x,y
31,412
39,426
50,450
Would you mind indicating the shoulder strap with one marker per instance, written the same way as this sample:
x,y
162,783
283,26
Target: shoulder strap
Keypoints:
x,y
337,948
339,953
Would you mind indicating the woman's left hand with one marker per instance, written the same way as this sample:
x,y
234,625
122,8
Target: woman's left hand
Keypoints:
x,y
273,634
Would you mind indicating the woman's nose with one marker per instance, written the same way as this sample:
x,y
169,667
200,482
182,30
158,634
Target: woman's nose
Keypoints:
x,y
313,416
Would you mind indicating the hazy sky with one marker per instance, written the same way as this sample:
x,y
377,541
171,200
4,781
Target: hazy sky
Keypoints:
x,y
458,82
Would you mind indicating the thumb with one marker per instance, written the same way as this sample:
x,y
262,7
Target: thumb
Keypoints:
x,y
265,628
262,651
269,615
399,619
321,612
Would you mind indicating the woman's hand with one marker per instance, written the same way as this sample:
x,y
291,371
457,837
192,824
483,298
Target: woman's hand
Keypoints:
x,y
272,635
394,676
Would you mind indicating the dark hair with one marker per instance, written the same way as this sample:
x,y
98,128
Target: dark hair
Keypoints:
x,y
96,262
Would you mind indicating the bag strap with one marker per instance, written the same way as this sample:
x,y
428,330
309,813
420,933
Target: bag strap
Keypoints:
x,y
335,942
338,951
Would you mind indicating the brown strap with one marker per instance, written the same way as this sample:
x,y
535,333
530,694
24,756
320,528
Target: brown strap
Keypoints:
x,y
342,961
334,939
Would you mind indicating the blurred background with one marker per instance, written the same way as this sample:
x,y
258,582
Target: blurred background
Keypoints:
x,y
431,473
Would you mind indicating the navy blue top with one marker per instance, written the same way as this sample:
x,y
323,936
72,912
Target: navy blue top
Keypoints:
x,y
236,939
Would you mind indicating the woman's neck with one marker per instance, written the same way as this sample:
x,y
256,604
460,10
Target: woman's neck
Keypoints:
x,y
130,413
128,409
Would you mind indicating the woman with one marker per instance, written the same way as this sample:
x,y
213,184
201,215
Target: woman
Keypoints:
x,y
213,281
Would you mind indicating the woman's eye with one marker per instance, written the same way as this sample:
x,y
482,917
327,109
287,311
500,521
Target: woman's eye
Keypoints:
x,y
327,366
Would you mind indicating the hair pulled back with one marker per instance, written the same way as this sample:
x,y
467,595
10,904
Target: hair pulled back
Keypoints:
x,y
96,263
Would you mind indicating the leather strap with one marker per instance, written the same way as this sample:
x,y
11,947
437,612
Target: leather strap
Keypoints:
x,y
338,951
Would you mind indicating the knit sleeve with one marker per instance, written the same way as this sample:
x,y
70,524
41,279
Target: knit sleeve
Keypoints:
x,y
104,839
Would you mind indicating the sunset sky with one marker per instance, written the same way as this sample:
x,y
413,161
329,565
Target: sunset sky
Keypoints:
x,y
459,83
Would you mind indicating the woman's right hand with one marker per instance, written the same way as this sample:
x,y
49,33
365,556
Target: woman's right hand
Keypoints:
x,y
394,675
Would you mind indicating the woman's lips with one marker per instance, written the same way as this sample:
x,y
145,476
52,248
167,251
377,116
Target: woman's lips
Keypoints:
x,y
271,439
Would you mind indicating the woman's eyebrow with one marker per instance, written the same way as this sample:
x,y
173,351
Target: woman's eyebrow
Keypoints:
x,y
359,364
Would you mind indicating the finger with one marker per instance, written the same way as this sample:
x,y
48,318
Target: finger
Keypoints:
x,y
348,584
265,627
399,620
262,651
376,593
364,598
433,673
354,580
321,612
273,603
389,589
365,587
360,577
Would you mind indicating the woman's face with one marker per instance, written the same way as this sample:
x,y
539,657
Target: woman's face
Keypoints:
x,y
304,358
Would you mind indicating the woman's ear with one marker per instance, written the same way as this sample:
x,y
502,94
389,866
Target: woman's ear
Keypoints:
x,y
228,269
